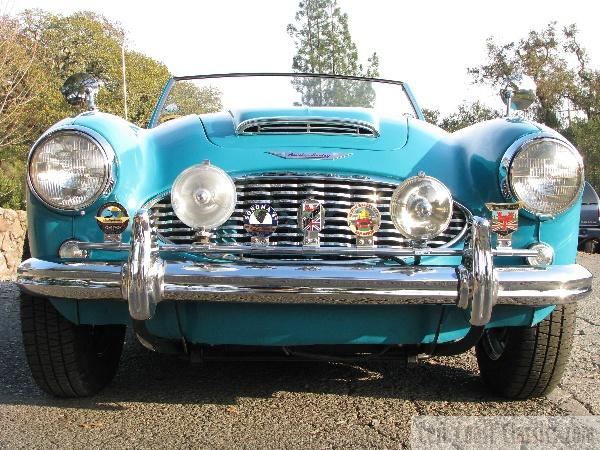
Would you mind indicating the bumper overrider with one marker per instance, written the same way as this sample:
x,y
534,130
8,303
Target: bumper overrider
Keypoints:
x,y
146,279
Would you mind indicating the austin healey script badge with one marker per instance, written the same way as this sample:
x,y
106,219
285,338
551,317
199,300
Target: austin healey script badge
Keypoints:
x,y
260,220
505,221
364,220
311,219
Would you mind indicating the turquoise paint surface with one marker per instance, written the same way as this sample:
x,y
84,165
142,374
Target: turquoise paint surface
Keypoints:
x,y
285,324
540,314
150,159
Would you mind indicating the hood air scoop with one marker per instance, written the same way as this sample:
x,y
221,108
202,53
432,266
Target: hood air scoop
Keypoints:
x,y
306,125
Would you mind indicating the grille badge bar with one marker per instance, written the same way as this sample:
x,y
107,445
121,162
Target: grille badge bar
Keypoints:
x,y
285,192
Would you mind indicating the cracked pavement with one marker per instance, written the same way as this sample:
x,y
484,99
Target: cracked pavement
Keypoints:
x,y
161,401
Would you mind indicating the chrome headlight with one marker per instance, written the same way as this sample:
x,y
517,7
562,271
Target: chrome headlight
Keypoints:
x,y
421,207
203,196
546,174
69,169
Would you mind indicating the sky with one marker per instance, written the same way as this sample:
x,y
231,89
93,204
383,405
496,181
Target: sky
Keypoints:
x,y
429,44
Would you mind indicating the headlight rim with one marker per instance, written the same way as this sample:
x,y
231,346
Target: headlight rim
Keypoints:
x,y
110,165
508,158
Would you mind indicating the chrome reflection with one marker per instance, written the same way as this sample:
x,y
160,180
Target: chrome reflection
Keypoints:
x,y
523,285
142,275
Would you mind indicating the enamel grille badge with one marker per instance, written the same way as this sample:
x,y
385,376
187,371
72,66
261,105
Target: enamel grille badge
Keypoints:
x,y
112,218
364,220
260,220
505,221
311,219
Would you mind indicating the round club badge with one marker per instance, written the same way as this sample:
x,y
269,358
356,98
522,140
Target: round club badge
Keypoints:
x,y
364,219
260,219
112,218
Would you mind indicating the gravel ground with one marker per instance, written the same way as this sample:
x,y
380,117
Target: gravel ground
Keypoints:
x,y
162,402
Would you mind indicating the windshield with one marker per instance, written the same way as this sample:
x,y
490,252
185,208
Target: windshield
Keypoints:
x,y
228,93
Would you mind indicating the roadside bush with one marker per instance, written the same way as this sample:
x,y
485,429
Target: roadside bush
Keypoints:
x,y
12,183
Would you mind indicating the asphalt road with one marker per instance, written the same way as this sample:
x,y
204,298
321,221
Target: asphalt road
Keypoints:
x,y
162,402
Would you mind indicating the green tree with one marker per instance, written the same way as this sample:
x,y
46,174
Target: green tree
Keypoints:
x,y
585,92
187,98
547,56
560,66
468,114
324,45
431,115
88,42
22,77
38,51
145,81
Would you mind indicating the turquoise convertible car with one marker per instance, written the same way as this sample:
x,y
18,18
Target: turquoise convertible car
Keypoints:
x,y
300,216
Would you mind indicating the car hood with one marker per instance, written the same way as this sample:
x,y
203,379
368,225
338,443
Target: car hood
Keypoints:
x,y
355,128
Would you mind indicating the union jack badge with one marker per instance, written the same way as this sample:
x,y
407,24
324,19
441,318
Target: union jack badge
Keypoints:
x,y
311,219
505,221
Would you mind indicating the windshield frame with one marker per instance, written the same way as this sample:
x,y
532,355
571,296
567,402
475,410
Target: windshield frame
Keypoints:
x,y
166,90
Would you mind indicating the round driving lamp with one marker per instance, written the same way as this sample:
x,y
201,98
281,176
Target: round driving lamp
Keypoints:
x,y
203,196
70,169
546,175
421,208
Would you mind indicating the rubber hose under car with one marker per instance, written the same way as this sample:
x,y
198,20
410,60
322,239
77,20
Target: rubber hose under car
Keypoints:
x,y
457,347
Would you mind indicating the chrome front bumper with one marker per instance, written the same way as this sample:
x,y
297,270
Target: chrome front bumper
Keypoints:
x,y
146,279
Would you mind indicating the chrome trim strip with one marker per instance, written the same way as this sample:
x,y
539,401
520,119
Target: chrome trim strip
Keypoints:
x,y
314,185
320,177
300,251
305,192
281,180
300,283
241,227
310,155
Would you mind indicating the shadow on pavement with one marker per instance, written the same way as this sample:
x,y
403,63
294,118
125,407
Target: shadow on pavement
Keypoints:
x,y
147,377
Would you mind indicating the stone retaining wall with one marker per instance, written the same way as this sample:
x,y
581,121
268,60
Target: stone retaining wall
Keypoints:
x,y
13,226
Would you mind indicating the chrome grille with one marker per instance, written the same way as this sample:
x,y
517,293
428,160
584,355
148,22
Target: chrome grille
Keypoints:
x,y
286,192
279,126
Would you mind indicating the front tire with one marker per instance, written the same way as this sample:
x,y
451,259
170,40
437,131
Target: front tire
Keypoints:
x,y
526,362
68,360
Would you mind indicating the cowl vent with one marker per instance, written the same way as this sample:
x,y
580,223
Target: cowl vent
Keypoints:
x,y
306,126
